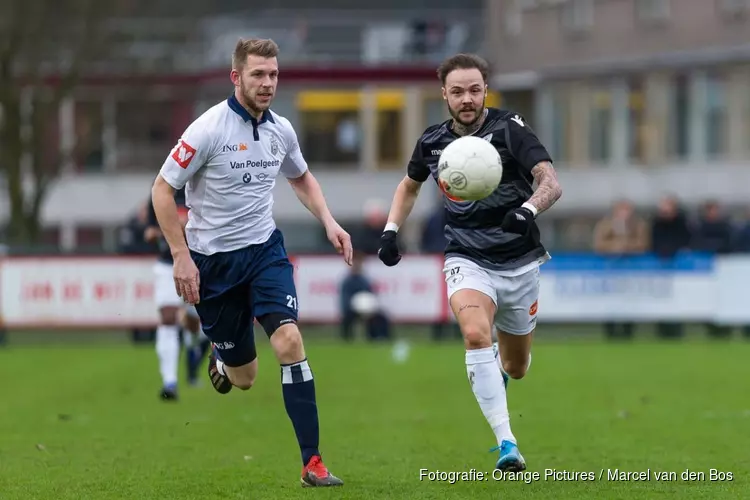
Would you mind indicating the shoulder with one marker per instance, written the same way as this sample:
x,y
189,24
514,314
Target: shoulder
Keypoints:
x,y
435,133
507,118
212,123
283,126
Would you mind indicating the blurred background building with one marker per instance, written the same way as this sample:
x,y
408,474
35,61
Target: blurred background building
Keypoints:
x,y
635,99
644,104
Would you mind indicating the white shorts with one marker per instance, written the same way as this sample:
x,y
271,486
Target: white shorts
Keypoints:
x,y
515,296
164,291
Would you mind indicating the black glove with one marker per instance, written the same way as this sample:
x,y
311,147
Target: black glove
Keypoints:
x,y
518,221
388,252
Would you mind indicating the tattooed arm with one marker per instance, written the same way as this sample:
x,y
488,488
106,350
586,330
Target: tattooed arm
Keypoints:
x,y
548,190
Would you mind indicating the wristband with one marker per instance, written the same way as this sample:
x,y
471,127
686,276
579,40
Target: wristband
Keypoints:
x,y
531,207
391,226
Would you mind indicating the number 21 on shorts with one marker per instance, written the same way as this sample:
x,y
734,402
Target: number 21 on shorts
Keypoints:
x,y
291,302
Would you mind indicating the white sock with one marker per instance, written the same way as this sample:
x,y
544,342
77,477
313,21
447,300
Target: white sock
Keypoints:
x,y
220,367
486,380
168,351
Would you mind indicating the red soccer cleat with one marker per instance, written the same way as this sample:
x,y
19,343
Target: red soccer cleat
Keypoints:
x,y
315,473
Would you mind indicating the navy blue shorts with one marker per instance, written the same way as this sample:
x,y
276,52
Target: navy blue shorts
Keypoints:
x,y
238,286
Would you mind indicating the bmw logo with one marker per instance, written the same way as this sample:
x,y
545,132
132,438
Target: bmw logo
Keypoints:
x,y
246,178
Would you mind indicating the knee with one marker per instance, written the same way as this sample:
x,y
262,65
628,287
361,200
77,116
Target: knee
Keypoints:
x,y
244,378
287,344
514,369
190,323
476,335
168,316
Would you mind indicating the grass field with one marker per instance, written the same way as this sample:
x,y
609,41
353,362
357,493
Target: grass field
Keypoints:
x,y
81,422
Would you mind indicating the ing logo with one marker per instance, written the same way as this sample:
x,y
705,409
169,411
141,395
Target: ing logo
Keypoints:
x,y
234,147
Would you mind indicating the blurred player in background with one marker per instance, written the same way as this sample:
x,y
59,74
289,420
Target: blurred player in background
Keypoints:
x,y
174,313
494,250
234,266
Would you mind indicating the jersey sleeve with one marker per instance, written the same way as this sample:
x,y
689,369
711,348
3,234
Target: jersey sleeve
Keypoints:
x,y
190,153
524,144
417,169
294,164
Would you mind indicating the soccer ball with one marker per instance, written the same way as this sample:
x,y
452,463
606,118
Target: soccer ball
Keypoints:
x,y
469,169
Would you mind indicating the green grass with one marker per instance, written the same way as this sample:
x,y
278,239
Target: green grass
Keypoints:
x,y
82,422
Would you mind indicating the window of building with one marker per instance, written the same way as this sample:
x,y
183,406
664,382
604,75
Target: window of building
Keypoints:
x,y
560,147
731,9
652,11
435,109
146,132
513,18
390,137
638,128
89,150
329,127
577,16
716,115
600,124
679,118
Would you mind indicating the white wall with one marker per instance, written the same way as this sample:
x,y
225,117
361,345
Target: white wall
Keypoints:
x,y
108,198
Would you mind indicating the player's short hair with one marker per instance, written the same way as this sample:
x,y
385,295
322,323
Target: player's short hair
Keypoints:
x,y
263,47
463,61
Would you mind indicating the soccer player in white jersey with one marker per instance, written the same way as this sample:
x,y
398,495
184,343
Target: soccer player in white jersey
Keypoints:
x,y
234,266
494,249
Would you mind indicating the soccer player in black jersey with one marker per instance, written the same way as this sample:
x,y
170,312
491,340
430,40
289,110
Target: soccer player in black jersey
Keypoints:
x,y
494,249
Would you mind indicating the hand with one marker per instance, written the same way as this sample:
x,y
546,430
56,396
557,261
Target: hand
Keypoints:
x,y
388,252
341,241
518,221
186,278
152,233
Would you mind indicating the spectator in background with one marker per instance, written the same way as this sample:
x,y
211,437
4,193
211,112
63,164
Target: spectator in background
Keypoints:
x,y
366,238
670,231
358,302
366,242
433,241
132,241
621,233
670,234
131,237
713,232
741,237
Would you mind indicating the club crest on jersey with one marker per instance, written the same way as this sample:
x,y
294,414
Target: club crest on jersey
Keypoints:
x,y
274,146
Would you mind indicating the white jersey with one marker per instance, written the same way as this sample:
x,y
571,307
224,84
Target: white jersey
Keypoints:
x,y
228,162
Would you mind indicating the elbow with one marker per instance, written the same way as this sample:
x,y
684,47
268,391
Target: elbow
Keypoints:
x,y
410,187
161,188
558,191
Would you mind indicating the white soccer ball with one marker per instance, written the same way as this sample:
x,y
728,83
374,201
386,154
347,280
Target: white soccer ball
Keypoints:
x,y
469,169
365,303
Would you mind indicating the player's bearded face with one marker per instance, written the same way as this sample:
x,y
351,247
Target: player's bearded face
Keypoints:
x,y
258,82
465,93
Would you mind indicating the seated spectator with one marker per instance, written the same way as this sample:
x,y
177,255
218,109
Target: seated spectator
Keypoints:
x,y
358,302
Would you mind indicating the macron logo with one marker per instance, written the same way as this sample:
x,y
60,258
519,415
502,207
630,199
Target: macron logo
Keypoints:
x,y
183,154
518,120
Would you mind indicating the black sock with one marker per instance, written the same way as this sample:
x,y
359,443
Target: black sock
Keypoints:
x,y
298,388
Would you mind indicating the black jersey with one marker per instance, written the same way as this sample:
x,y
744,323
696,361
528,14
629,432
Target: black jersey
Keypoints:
x,y
165,254
473,227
